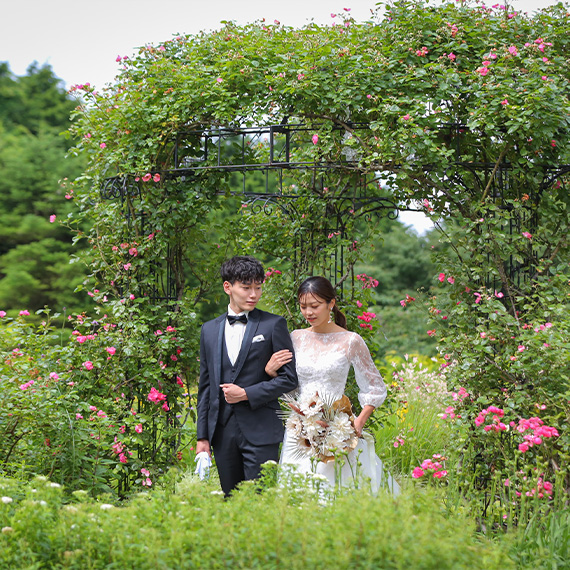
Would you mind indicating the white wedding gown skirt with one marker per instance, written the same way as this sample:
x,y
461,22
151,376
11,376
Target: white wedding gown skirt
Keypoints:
x,y
361,468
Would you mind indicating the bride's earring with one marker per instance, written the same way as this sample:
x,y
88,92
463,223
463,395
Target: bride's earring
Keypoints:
x,y
331,319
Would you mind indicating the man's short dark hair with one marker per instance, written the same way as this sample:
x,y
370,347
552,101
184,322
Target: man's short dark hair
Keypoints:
x,y
243,268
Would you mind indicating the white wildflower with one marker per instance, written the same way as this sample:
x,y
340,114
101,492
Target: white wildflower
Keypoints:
x,y
318,477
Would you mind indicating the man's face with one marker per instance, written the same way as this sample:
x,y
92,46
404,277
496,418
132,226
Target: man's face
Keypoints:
x,y
243,296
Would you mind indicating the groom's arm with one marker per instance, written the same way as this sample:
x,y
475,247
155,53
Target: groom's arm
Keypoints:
x,y
286,381
203,405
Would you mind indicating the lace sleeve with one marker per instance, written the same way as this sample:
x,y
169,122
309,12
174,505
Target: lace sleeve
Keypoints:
x,y
372,387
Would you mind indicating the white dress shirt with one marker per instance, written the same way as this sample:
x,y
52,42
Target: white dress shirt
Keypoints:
x,y
234,335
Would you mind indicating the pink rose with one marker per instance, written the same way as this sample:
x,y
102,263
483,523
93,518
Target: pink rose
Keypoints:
x,y
156,396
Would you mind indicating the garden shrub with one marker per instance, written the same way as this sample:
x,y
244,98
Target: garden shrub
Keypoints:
x,y
199,529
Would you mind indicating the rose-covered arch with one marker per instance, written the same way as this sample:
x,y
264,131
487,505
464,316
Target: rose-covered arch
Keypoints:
x,y
294,139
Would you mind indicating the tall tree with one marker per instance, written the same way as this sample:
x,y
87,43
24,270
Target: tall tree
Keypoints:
x,y
35,249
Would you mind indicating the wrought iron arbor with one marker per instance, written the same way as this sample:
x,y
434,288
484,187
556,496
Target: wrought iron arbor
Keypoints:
x,y
271,154
268,154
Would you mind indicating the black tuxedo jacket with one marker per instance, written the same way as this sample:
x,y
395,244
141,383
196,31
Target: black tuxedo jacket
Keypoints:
x,y
257,417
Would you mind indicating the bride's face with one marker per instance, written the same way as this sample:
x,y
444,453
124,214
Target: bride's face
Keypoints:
x,y
315,310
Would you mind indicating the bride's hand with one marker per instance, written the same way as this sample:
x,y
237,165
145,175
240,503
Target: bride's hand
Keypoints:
x,y
277,360
362,419
358,425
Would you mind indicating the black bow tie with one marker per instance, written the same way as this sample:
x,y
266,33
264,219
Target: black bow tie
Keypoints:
x,y
237,319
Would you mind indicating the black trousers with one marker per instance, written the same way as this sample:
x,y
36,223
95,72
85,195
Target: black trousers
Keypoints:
x,y
238,460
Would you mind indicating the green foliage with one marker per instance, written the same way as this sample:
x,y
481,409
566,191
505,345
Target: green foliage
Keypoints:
x,y
505,334
456,97
197,529
400,260
385,72
543,542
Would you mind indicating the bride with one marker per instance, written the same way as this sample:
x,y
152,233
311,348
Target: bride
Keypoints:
x,y
324,353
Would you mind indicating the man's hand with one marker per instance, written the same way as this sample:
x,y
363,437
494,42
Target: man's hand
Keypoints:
x,y
203,445
233,394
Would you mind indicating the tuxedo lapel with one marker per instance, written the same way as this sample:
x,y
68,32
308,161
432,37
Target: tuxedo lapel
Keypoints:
x,y
250,329
219,349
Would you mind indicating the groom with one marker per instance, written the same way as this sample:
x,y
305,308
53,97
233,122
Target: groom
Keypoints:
x,y
237,400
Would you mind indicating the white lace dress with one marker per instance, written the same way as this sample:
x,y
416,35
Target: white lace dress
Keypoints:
x,y
323,362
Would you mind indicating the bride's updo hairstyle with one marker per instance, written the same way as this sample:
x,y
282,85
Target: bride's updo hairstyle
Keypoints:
x,y
322,288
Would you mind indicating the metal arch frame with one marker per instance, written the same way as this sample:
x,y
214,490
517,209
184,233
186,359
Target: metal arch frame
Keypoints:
x,y
201,149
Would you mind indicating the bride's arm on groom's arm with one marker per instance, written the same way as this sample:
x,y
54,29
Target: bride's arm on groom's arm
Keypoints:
x,y
271,389
277,360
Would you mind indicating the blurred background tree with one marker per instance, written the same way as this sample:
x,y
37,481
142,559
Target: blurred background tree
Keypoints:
x,y
401,262
34,252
